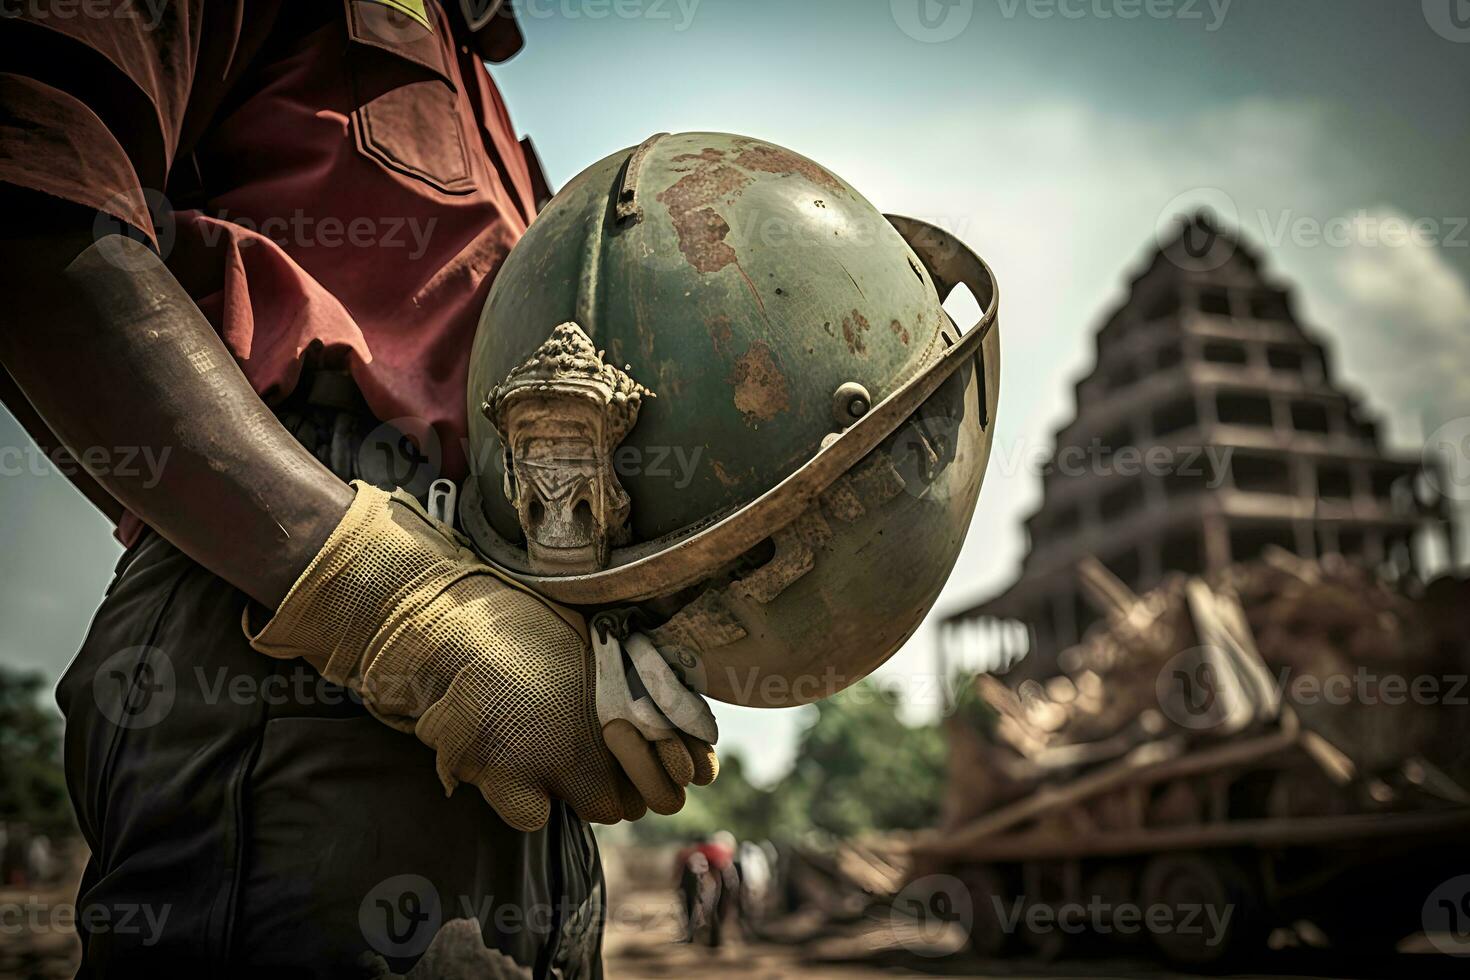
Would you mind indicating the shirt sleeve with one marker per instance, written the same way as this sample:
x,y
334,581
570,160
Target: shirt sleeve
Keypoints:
x,y
94,96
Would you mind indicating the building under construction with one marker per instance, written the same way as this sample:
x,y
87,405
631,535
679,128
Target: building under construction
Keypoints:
x,y
1211,427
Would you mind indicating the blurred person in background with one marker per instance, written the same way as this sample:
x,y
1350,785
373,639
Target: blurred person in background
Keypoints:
x,y
691,868
708,885
753,872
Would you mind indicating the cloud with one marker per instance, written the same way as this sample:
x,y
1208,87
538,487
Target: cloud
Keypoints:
x,y
1389,268
1407,311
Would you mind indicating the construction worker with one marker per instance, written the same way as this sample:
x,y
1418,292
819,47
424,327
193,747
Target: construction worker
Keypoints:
x,y
222,216
705,869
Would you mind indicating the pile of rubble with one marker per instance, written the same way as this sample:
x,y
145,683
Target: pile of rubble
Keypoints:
x,y
1375,671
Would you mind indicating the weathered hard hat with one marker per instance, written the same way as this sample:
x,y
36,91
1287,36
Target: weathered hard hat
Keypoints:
x,y
714,391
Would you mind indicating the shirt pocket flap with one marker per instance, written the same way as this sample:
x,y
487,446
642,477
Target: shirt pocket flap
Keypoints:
x,y
406,113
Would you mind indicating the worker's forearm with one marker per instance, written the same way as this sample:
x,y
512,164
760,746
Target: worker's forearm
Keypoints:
x,y
112,352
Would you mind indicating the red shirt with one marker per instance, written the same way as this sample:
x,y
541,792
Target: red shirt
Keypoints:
x,y
325,175
718,856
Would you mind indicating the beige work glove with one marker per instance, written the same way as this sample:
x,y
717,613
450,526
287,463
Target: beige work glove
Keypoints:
x,y
499,682
642,705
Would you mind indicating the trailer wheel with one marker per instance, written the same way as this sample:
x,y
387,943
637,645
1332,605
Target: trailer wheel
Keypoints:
x,y
1049,944
1200,910
990,899
1115,887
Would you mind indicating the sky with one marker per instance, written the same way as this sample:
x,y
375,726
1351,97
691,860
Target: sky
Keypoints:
x,y
1055,137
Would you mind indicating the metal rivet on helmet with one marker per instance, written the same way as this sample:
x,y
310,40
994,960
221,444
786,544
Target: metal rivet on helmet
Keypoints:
x,y
850,403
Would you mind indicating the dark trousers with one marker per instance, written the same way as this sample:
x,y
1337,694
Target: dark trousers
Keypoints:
x,y
243,814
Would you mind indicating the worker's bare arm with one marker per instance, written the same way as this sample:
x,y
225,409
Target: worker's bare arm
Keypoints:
x,y
111,352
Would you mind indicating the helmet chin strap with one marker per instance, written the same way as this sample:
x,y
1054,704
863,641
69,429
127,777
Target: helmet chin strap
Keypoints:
x,y
478,13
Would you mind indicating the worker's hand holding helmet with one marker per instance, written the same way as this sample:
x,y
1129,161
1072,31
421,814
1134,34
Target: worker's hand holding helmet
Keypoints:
x,y
838,424
501,684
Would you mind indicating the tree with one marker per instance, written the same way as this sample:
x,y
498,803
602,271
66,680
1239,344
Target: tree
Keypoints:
x,y
859,768
32,785
730,803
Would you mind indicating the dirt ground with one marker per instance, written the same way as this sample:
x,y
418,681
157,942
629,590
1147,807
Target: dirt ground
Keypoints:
x,y
36,938
644,924
643,927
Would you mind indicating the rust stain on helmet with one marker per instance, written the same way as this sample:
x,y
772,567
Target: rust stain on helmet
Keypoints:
x,y
725,477
774,160
853,328
760,387
709,154
702,229
720,332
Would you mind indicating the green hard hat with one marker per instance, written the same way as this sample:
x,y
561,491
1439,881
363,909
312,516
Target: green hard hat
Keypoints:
x,y
715,393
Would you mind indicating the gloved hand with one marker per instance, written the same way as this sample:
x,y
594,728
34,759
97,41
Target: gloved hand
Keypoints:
x,y
649,718
499,682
